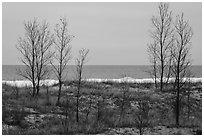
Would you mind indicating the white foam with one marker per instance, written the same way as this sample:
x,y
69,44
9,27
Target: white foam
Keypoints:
x,y
27,83
145,80
51,82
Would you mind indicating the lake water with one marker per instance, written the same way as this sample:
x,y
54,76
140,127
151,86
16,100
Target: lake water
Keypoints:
x,y
95,71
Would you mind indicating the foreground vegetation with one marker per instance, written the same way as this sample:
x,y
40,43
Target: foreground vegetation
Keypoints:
x,y
104,108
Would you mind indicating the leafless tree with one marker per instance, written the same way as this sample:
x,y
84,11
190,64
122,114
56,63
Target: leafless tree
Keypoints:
x,y
80,61
169,63
43,53
34,47
62,53
181,58
162,35
154,61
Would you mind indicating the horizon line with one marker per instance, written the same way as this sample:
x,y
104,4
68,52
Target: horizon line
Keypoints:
x,y
100,65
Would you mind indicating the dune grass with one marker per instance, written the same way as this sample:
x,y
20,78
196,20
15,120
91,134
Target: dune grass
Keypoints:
x,y
103,106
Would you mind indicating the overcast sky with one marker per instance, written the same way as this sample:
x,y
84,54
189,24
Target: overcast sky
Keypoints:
x,y
115,33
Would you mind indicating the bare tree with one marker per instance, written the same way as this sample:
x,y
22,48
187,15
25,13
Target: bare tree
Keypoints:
x,y
43,54
162,35
181,60
34,48
169,63
80,61
62,53
154,61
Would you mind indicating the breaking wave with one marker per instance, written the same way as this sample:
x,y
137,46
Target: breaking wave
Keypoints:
x,y
51,82
145,80
27,83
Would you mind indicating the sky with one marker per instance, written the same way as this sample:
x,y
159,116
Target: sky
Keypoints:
x,y
115,33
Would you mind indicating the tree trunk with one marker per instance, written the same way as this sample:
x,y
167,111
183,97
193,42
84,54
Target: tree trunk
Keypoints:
x,y
141,131
59,93
162,73
177,101
38,87
77,109
177,108
34,89
155,74
189,92
155,79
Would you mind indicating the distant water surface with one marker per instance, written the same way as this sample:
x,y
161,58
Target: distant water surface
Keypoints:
x,y
95,71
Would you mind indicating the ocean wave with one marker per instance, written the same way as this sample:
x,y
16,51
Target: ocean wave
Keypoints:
x,y
27,83
145,80
51,82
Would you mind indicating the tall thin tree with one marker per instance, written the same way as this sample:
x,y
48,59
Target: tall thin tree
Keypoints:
x,y
154,61
80,61
181,58
62,53
43,54
162,35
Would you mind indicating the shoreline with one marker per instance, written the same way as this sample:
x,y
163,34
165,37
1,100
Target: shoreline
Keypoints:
x,y
51,82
